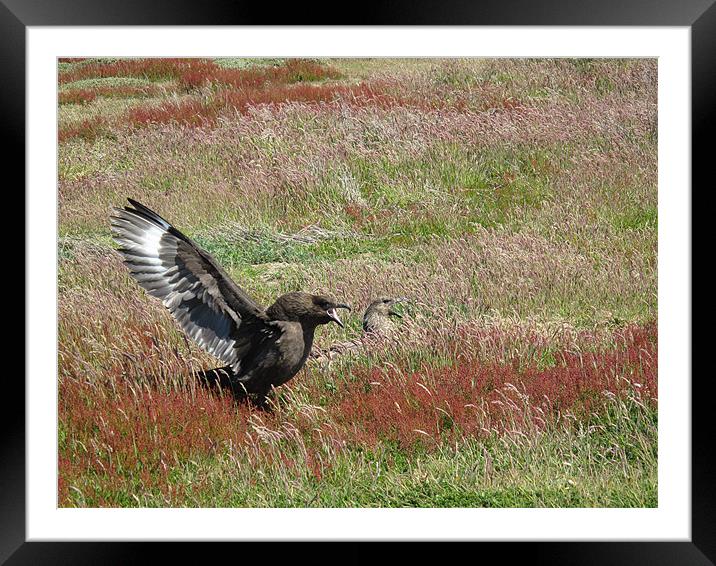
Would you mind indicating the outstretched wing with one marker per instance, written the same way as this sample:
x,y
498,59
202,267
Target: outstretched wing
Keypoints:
x,y
203,299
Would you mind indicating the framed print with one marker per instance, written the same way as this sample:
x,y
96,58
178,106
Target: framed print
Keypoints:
x,y
359,284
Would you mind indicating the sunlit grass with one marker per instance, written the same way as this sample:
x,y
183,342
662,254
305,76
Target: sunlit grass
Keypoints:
x,y
513,202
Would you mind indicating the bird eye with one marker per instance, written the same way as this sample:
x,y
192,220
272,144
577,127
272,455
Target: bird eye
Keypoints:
x,y
386,300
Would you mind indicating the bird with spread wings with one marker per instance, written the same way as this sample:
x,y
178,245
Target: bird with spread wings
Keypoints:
x,y
261,347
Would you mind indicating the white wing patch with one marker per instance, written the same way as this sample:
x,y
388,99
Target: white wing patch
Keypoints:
x,y
190,293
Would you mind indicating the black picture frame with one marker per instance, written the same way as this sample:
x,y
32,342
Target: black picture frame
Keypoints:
x,y
16,15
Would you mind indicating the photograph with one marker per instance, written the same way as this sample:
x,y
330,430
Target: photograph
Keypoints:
x,y
357,282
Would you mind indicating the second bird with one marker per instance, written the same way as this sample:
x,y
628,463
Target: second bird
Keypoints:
x,y
263,348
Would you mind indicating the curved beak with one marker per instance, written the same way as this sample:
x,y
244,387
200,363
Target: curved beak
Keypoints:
x,y
333,315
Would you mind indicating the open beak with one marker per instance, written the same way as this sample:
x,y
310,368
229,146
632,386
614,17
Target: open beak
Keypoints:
x,y
333,315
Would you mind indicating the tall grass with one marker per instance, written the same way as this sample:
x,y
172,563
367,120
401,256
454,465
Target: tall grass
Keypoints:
x,y
86,95
240,88
118,431
155,69
514,202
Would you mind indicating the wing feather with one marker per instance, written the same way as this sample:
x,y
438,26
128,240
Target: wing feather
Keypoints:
x,y
214,311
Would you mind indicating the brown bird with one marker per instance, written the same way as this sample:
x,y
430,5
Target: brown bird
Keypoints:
x,y
376,323
376,318
263,348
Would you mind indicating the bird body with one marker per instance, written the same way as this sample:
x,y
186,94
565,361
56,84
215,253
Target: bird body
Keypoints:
x,y
278,360
263,348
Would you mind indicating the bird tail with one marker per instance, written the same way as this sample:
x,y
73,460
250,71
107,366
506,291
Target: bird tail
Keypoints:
x,y
223,379
218,378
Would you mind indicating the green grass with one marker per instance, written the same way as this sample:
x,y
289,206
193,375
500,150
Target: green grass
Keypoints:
x,y
518,232
609,462
247,62
260,252
488,179
636,218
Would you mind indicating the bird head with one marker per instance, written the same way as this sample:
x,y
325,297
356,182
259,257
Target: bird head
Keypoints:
x,y
380,311
307,308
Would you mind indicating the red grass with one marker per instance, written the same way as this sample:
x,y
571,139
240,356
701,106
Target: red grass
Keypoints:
x,y
252,89
356,213
196,112
192,73
122,429
143,430
258,85
472,398
88,129
77,96
190,112
205,112
141,68
85,95
240,89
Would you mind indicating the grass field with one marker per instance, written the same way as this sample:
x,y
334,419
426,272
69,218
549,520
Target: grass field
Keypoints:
x,y
514,202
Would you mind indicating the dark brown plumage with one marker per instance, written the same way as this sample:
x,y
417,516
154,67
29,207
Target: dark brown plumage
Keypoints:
x,y
263,348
